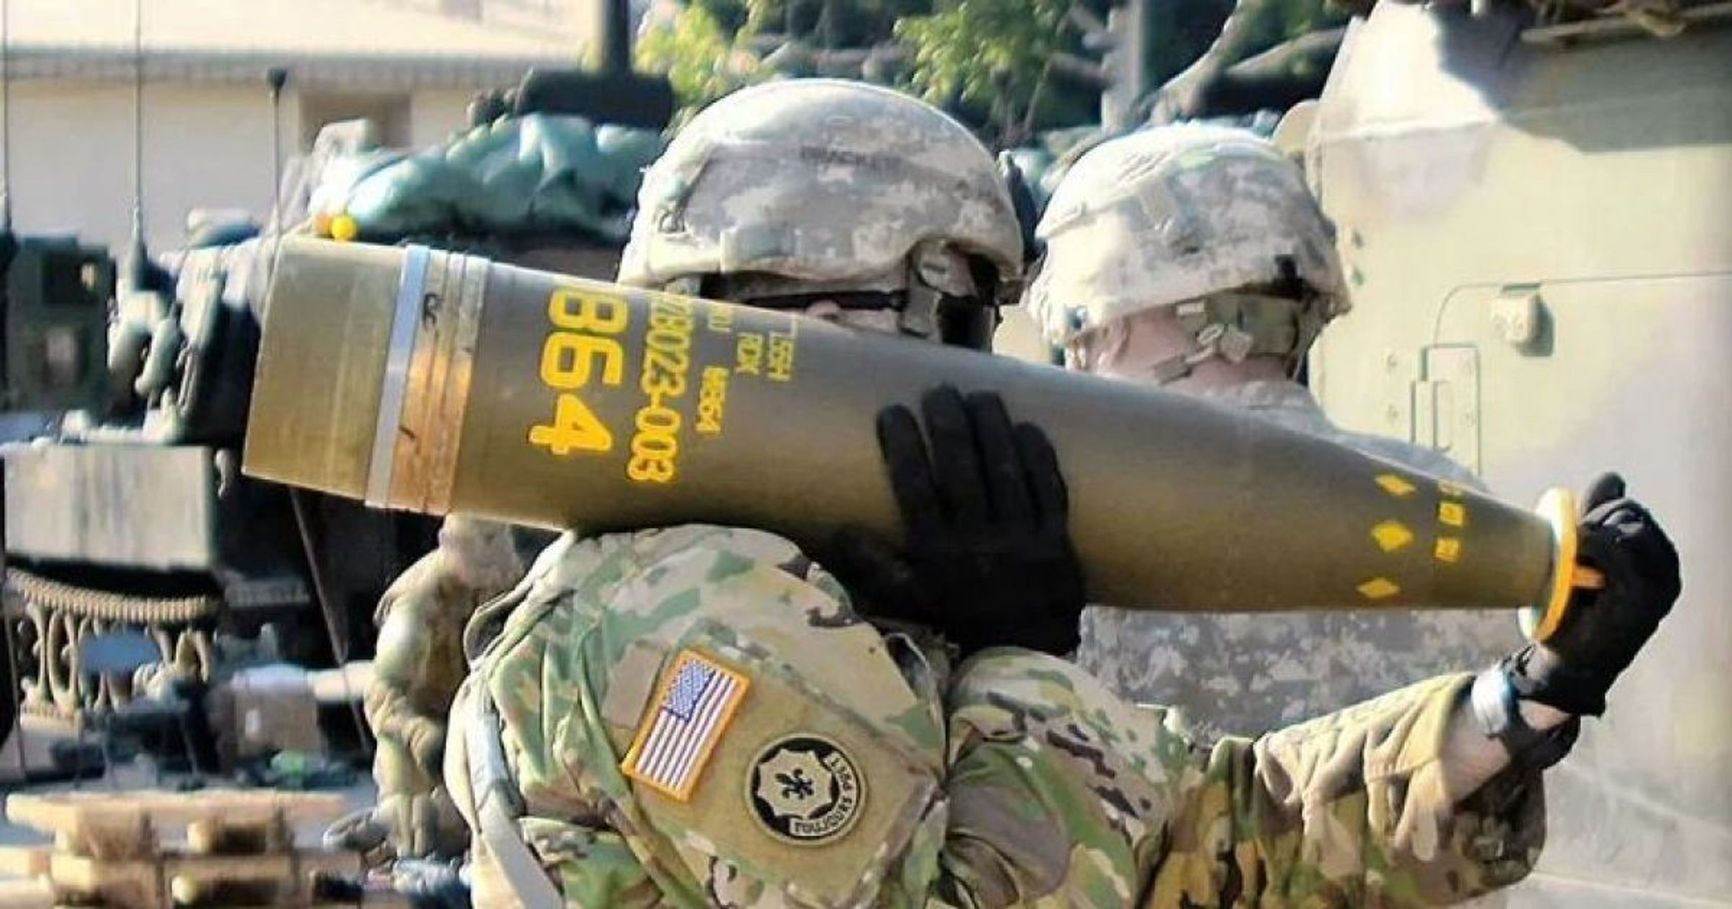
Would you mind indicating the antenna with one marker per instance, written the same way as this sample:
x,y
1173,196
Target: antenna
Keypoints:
x,y
277,77
138,119
5,117
137,268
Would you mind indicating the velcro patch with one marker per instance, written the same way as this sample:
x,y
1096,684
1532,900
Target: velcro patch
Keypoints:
x,y
691,710
805,790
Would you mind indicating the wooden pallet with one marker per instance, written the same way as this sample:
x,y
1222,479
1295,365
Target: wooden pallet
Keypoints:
x,y
155,850
26,893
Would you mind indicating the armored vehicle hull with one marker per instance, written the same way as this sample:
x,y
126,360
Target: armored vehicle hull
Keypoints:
x,y
1536,225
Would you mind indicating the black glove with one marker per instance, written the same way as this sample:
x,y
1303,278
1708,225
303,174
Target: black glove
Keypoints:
x,y
430,884
989,560
1604,628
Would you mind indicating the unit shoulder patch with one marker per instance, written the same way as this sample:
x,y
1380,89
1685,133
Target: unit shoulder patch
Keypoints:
x,y
805,790
691,710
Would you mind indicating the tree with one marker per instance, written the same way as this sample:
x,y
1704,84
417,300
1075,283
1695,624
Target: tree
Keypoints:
x,y
1282,32
702,58
1008,68
987,61
994,56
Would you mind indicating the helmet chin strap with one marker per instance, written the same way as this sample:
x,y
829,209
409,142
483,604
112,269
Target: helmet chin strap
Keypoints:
x,y
920,300
1214,340
912,312
936,273
1232,327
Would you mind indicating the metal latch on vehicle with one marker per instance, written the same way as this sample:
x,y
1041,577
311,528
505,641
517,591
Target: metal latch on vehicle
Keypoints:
x,y
1445,398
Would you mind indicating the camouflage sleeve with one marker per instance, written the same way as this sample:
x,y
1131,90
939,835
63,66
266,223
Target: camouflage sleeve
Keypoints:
x,y
1351,808
1061,794
401,665
391,715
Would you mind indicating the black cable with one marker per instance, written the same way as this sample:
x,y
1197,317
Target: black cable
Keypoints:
x,y
339,649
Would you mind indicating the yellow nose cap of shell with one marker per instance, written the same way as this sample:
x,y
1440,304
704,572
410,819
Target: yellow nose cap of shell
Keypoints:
x,y
1558,508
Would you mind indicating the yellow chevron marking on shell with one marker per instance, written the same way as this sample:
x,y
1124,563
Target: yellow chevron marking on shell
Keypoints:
x,y
1454,514
1395,485
1448,549
1379,589
1391,535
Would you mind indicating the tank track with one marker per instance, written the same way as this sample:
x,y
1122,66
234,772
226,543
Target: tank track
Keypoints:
x,y
48,619
108,606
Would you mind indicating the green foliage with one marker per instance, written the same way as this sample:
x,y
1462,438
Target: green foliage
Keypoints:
x,y
987,61
984,60
702,60
730,15
865,23
989,55
1284,20
1177,32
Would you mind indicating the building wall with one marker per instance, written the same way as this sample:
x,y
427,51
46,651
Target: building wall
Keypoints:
x,y
569,16
72,153
435,115
205,146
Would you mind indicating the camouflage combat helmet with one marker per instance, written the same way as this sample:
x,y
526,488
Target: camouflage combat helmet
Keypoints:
x,y
812,186
1211,220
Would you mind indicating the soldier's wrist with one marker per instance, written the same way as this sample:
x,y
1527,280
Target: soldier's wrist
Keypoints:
x,y
1533,734
1542,675
1542,716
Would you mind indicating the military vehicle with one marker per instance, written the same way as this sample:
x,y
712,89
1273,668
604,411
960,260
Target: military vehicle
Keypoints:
x,y
125,508
55,320
54,300
131,513
134,515
1535,221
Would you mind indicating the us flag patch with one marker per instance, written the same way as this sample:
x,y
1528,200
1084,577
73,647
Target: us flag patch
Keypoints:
x,y
692,709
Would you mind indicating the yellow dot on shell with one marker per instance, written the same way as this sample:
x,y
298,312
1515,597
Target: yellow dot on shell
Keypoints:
x,y
344,228
1448,549
1391,535
1452,513
1395,485
1379,589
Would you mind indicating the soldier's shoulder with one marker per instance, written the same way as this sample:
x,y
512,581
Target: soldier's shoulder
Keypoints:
x,y
419,582
578,562
661,543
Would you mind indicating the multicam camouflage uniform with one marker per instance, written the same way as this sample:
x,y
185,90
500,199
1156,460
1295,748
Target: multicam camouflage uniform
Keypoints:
x,y
696,716
1015,779
1163,219
418,666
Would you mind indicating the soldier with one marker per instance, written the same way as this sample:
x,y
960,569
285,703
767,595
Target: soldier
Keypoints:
x,y
700,715
417,669
1193,258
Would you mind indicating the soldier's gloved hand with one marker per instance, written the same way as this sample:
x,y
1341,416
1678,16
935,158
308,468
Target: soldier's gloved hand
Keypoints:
x,y
429,884
989,560
426,742
362,831
1604,628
